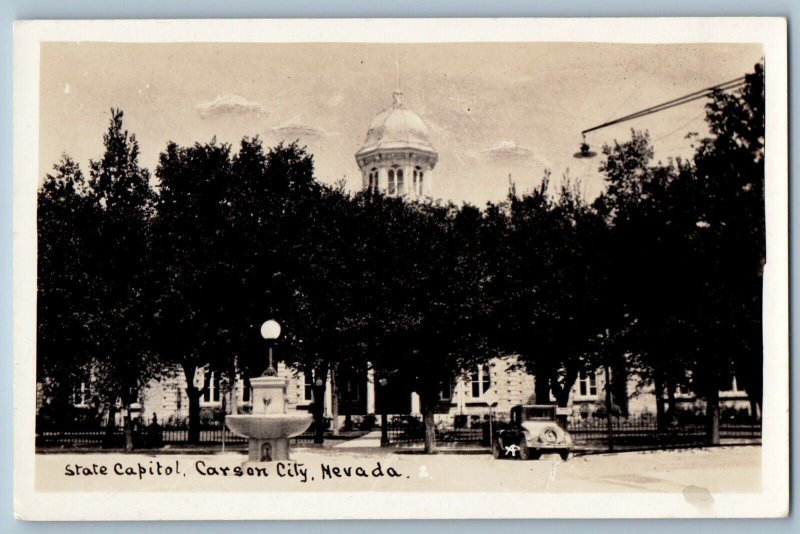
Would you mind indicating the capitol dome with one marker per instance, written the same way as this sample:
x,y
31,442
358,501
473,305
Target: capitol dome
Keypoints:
x,y
397,155
397,127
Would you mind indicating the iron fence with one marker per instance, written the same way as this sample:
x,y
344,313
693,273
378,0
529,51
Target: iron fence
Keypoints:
x,y
409,430
626,432
644,431
143,437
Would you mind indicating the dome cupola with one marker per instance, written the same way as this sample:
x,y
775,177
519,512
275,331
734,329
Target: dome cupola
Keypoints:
x,y
397,157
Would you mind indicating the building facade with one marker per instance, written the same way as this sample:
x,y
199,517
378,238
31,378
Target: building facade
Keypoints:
x,y
492,388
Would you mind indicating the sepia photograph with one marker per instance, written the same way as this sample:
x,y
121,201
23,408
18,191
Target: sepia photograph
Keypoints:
x,y
485,268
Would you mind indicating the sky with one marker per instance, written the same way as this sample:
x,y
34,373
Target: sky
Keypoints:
x,y
493,109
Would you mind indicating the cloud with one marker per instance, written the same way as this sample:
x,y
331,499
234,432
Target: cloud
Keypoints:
x,y
228,104
508,150
296,130
336,100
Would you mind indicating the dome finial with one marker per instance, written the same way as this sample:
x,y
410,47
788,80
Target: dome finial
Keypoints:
x,y
397,97
397,64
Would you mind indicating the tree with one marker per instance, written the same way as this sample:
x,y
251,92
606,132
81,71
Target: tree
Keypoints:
x,y
65,219
547,282
651,275
121,316
320,285
242,239
729,173
189,256
688,238
433,316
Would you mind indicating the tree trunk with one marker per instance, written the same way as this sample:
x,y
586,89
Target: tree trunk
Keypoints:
x,y
672,409
319,414
712,411
752,382
541,389
430,431
384,429
561,392
609,421
194,395
620,387
334,404
319,405
128,427
194,414
111,425
658,391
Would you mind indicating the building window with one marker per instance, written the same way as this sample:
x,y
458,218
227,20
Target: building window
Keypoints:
x,y
373,180
400,186
308,386
481,381
211,392
391,185
417,181
246,390
351,390
80,395
446,393
587,384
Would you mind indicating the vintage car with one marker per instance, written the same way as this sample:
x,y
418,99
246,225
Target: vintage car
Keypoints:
x,y
532,431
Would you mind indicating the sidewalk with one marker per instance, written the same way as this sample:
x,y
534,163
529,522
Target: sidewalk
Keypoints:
x,y
370,439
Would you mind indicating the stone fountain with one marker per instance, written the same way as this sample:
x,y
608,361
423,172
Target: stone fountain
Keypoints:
x,y
269,427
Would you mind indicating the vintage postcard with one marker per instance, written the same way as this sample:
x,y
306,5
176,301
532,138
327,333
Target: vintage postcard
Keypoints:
x,y
302,269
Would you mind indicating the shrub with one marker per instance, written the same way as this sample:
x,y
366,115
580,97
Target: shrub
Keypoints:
x,y
368,422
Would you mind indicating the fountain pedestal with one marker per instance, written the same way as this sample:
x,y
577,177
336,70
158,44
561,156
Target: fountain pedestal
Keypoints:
x,y
269,427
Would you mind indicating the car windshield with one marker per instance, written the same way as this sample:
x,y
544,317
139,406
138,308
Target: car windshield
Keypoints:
x,y
539,413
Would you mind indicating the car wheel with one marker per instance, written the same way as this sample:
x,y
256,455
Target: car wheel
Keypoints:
x,y
523,449
497,450
564,455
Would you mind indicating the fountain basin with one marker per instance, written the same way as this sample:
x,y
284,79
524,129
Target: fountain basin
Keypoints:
x,y
269,425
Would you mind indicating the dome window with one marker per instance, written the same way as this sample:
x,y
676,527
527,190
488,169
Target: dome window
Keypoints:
x,y
392,185
373,180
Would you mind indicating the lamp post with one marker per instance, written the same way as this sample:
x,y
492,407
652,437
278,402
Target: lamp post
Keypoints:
x,y
223,391
384,418
319,409
491,401
270,331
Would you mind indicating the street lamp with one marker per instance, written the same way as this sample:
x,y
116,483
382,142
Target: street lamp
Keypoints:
x,y
270,331
384,419
585,151
319,410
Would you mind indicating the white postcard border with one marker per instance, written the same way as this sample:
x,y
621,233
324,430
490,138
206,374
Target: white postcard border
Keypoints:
x,y
772,501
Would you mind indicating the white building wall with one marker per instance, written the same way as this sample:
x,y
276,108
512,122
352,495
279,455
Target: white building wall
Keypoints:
x,y
510,386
